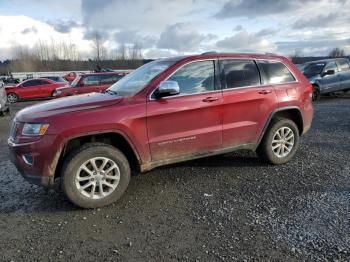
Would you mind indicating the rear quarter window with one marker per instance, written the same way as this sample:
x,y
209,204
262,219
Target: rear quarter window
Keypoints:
x,y
343,65
275,72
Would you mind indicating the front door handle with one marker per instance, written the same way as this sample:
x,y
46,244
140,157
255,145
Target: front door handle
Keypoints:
x,y
210,99
265,92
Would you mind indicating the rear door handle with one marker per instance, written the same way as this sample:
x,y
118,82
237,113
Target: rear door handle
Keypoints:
x,y
265,92
210,99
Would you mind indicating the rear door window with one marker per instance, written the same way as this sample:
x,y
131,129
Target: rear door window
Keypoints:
x,y
239,73
31,83
275,72
110,79
331,66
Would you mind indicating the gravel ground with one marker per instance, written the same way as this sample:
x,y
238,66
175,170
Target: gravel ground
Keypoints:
x,y
223,208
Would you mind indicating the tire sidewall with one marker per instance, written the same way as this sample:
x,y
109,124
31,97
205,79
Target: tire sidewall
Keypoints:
x,y
14,95
272,131
78,158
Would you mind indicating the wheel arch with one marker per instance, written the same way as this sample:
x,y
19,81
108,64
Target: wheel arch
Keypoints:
x,y
116,139
291,112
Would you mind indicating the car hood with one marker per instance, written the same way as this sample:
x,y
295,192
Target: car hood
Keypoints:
x,y
65,105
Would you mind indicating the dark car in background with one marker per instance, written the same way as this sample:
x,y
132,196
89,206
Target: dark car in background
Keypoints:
x,y
88,83
328,76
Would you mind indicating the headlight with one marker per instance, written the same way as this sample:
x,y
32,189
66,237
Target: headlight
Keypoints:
x,y
56,92
34,129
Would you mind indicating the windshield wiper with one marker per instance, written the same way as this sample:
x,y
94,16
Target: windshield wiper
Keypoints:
x,y
111,92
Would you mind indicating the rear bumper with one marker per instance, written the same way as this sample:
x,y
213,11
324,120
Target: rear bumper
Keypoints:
x,y
41,169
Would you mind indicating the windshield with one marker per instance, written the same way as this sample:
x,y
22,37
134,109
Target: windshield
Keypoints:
x,y
134,82
75,81
313,69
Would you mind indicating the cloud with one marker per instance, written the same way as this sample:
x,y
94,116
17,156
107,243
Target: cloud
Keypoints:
x,y
245,42
134,37
320,45
64,26
252,8
182,37
317,21
29,30
238,28
266,32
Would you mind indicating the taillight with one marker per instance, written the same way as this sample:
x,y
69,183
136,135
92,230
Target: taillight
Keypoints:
x,y
310,90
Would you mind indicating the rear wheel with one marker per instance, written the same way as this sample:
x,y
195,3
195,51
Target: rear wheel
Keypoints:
x,y
95,175
280,142
316,93
12,98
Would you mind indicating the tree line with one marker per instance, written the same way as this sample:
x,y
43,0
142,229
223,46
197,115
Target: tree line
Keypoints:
x,y
297,58
65,56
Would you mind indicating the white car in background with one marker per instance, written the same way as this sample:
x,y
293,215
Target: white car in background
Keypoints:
x,y
3,99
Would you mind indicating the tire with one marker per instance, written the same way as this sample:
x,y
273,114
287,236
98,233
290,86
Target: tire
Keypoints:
x,y
12,98
316,94
97,153
265,149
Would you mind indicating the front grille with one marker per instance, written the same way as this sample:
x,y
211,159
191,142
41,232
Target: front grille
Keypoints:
x,y
13,130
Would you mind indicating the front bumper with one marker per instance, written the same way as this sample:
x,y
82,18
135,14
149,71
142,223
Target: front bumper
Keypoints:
x,y
41,170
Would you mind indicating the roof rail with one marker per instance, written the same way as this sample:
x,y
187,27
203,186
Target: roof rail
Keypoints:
x,y
209,53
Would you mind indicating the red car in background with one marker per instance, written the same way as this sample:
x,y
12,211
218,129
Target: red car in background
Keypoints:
x,y
32,89
88,83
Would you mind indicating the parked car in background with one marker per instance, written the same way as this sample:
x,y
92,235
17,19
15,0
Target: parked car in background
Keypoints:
x,y
300,67
10,80
4,107
328,76
167,111
88,83
59,79
70,76
32,89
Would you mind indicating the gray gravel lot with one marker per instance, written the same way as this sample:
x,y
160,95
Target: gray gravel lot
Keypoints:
x,y
230,207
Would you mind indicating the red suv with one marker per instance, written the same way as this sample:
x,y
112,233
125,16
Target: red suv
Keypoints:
x,y
167,111
33,89
88,83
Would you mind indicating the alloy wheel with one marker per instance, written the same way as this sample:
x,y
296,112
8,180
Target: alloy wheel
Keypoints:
x,y
97,178
282,142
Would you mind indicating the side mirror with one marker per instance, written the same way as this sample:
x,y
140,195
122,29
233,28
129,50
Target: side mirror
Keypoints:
x,y
167,88
328,72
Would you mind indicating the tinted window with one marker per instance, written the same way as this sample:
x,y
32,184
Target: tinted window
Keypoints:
x,y
109,79
240,73
195,77
343,65
276,72
331,66
33,83
91,80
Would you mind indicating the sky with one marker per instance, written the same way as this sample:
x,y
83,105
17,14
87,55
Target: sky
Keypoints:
x,y
176,27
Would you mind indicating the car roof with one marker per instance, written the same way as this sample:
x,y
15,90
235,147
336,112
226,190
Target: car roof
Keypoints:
x,y
326,60
214,55
38,78
105,73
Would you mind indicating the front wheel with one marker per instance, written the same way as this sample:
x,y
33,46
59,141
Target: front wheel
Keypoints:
x,y
280,142
12,98
95,175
